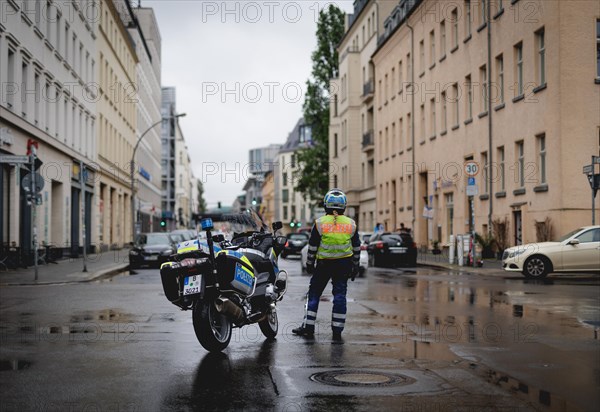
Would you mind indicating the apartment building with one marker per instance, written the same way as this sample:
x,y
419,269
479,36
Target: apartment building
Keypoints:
x,y
290,205
351,144
511,85
143,29
117,124
48,70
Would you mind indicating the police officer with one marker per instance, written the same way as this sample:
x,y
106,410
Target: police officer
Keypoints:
x,y
335,245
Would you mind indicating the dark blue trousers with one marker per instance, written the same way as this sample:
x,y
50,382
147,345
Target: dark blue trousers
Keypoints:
x,y
338,271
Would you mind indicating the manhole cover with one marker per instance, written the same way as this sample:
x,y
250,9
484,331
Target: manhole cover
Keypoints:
x,y
361,378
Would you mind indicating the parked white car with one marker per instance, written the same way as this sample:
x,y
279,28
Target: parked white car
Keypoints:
x,y
364,259
578,250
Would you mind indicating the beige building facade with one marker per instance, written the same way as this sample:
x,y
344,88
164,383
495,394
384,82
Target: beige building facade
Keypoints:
x,y
529,135
47,96
117,125
351,148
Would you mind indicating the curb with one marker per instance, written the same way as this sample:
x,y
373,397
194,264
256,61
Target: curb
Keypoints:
x,y
478,271
96,276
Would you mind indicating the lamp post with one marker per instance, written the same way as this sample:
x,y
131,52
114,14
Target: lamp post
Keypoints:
x,y
132,169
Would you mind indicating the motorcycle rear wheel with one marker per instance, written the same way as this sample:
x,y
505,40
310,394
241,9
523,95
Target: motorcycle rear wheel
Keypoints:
x,y
212,328
269,325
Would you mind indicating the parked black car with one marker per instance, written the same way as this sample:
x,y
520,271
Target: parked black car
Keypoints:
x,y
392,249
294,244
151,249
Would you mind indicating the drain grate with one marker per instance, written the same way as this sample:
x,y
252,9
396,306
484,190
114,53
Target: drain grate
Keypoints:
x,y
361,378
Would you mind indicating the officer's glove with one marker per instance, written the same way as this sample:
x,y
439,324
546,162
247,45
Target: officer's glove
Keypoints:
x,y
310,268
354,272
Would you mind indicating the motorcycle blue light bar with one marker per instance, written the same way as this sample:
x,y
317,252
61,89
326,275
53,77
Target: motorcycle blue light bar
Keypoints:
x,y
207,224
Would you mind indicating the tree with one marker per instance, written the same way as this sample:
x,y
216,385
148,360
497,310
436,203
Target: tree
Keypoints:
x,y
312,179
201,201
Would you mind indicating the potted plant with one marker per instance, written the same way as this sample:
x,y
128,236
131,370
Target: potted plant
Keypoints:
x,y
487,243
435,247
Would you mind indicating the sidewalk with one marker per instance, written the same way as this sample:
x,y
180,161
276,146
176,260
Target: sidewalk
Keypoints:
x,y
490,266
99,266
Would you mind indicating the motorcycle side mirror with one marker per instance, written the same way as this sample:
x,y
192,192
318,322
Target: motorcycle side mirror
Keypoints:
x,y
280,241
218,238
277,226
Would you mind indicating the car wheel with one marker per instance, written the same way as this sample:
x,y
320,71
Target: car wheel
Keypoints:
x,y
537,267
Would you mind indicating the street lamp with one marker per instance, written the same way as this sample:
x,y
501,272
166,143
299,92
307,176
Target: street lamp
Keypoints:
x,y
132,168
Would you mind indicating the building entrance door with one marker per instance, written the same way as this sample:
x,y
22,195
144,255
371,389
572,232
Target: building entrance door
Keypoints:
x,y
518,227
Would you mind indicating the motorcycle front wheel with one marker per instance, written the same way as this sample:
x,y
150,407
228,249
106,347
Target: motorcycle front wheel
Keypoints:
x,y
212,328
269,325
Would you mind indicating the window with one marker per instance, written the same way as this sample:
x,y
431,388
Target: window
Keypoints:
x,y
37,98
284,178
400,76
469,101
484,88
285,213
409,75
482,12
467,18
444,112
541,57
455,104
432,47
393,85
305,134
385,89
401,134
422,125
432,117
485,174
24,74
501,168
443,38
541,144
335,145
521,164
519,68
10,97
387,143
589,236
408,131
393,137
422,56
500,77
285,195
598,49
449,198
454,28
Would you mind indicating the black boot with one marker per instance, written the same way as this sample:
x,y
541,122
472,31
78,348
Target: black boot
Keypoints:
x,y
337,335
303,331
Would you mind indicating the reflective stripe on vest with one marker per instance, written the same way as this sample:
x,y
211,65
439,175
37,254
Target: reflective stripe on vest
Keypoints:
x,y
336,236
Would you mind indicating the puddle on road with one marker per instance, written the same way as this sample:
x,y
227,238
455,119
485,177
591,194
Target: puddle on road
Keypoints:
x,y
14,365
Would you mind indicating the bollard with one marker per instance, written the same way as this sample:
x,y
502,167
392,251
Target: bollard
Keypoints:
x,y
451,249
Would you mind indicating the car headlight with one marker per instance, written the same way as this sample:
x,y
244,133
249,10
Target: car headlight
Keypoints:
x,y
516,253
133,252
167,252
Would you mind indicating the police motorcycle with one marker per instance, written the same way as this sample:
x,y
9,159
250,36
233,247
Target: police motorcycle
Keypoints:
x,y
228,283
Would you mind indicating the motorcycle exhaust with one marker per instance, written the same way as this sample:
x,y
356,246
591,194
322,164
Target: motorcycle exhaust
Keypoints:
x,y
228,308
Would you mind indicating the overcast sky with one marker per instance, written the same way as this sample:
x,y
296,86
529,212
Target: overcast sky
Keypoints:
x,y
240,69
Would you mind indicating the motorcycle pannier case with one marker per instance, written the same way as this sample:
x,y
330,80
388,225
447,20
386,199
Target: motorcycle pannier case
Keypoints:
x,y
172,275
235,272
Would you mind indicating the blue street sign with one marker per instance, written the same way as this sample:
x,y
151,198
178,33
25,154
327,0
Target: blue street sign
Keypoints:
x,y
471,181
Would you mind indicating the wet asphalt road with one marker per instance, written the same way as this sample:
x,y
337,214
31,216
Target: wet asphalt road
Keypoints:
x,y
415,340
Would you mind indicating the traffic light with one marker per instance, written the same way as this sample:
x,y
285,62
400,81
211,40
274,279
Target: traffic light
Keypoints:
x,y
163,223
254,201
292,224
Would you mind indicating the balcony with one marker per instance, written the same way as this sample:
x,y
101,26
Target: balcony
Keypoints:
x,y
368,90
368,142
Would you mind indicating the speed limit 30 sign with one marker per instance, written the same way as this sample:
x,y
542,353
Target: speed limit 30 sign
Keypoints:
x,y
471,168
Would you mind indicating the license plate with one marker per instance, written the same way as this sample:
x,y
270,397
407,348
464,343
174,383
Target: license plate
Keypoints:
x,y
398,250
153,257
192,285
